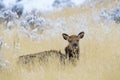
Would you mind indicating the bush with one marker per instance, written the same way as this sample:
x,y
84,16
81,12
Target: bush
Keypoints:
x,y
2,5
18,8
63,3
8,17
33,20
111,15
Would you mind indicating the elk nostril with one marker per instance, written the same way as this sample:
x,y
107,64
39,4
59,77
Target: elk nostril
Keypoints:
x,y
75,45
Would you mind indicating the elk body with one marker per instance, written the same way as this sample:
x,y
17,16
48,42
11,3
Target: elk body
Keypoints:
x,y
42,57
71,52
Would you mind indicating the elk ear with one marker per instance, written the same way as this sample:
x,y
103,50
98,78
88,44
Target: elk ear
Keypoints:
x,y
65,36
81,35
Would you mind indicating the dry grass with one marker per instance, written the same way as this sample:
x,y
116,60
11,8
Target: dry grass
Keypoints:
x,y
99,59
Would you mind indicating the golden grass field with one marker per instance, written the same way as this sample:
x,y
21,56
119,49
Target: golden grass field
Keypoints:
x,y
99,49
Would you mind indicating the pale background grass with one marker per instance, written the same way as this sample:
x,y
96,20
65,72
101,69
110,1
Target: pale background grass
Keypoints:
x,y
99,49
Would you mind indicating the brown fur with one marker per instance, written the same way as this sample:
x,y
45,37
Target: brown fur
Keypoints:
x,y
71,52
42,57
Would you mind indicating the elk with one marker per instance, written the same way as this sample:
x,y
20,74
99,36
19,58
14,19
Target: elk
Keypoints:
x,y
72,51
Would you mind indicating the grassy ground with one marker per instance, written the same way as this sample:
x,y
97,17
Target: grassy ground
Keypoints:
x,y
99,49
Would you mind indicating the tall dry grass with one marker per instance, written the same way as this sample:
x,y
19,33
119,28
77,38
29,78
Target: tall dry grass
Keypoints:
x,y
99,49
